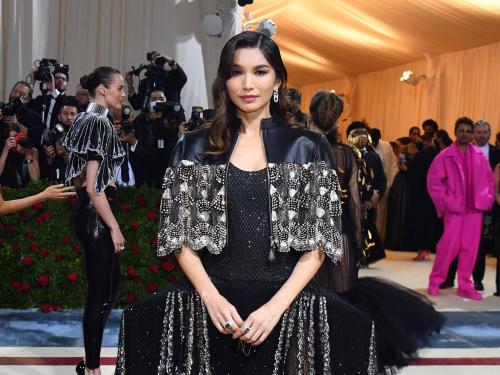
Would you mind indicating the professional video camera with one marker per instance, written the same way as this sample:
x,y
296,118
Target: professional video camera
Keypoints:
x,y
12,108
43,72
53,135
127,126
153,76
196,120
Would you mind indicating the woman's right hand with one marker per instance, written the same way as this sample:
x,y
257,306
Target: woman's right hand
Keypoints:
x,y
56,192
221,312
118,239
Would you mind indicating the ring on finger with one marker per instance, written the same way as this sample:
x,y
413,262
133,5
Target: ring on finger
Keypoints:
x,y
229,325
247,329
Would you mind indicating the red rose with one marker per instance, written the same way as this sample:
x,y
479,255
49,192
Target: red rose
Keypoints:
x,y
73,277
66,240
132,272
169,266
10,228
172,279
77,250
135,226
33,246
40,220
15,285
43,280
135,249
27,261
57,307
23,216
125,208
131,298
2,241
38,206
16,247
152,287
152,216
155,268
46,308
141,200
44,253
58,257
48,215
72,201
30,236
154,241
24,287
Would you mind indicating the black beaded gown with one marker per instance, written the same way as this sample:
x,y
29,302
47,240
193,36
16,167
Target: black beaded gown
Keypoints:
x,y
171,332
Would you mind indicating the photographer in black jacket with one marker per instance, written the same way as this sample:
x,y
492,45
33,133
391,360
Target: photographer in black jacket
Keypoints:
x,y
162,73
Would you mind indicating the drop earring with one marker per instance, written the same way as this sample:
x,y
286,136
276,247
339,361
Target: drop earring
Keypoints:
x,y
275,96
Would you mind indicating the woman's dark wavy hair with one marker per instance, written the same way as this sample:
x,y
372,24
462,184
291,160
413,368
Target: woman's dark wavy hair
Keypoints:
x,y
225,110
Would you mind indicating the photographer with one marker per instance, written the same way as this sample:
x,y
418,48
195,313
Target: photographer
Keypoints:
x,y
56,158
17,116
18,160
158,129
162,73
83,97
53,86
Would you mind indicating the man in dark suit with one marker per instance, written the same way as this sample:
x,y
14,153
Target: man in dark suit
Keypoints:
x,y
482,134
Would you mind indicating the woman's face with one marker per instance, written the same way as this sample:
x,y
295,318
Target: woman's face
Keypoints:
x,y
415,135
114,95
252,81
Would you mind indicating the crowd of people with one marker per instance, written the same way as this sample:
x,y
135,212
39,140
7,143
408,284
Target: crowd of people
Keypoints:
x,y
269,221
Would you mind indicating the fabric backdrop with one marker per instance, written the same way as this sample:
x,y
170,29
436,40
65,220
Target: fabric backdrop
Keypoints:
x,y
91,33
463,83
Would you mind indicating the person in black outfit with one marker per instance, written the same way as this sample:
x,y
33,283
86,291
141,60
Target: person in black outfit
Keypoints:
x,y
171,83
372,188
482,134
49,103
294,102
95,153
53,164
26,120
158,136
404,318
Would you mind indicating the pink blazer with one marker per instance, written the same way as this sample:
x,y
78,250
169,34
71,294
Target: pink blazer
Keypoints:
x,y
447,186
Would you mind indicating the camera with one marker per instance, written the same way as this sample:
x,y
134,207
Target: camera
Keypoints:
x,y
43,72
12,108
171,110
156,58
127,126
195,121
53,135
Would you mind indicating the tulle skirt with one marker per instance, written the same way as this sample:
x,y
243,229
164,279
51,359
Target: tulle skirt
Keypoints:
x,y
171,333
404,319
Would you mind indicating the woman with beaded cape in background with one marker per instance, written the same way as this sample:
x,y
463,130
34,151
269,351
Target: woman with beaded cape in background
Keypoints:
x,y
404,318
95,153
250,209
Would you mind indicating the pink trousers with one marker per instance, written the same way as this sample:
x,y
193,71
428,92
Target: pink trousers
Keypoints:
x,y
461,237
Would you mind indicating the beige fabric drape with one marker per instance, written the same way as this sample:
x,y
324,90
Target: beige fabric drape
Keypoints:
x,y
91,33
463,83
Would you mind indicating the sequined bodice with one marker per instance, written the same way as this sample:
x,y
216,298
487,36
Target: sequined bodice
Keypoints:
x,y
246,256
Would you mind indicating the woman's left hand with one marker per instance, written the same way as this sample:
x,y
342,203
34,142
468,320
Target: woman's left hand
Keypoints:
x,y
259,324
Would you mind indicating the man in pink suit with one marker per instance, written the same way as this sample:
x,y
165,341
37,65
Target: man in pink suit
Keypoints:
x,y
460,183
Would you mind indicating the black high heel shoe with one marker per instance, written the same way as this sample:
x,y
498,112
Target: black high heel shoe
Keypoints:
x,y
80,368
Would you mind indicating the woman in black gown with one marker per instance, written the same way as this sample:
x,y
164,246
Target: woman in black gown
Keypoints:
x,y
250,208
404,318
